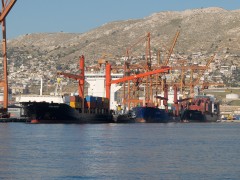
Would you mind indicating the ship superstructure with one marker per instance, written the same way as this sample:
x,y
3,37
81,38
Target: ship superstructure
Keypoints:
x,y
97,86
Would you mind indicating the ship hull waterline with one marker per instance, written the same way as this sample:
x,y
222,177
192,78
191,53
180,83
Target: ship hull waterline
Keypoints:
x,y
62,113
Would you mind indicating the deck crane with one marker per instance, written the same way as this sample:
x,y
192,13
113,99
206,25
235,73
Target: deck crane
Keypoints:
x,y
80,78
6,7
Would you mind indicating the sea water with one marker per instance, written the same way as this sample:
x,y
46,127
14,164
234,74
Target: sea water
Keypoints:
x,y
120,151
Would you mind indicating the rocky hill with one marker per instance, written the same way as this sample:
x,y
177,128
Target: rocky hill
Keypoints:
x,y
201,30
210,29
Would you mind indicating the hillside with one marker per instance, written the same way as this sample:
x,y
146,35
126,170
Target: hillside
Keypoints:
x,y
207,29
201,30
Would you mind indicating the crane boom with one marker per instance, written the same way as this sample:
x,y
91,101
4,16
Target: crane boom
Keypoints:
x,y
172,47
148,73
6,9
72,76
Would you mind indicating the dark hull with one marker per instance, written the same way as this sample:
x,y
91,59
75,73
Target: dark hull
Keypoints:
x,y
198,116
61,113
150,115
124,118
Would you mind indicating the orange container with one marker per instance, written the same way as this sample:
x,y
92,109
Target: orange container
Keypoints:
x,y
75,99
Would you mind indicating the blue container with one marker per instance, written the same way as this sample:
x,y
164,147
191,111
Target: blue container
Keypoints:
x,y
90,98
99,101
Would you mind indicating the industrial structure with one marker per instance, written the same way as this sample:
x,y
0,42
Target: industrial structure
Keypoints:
x,y
142,83
6,7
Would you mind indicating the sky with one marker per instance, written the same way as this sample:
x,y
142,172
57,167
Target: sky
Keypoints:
x,y
79,16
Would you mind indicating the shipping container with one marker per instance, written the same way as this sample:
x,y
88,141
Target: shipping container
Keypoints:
x,y
66,99
99,100
105,99
99,104
90,98
106,105
89,104
75,99
75,104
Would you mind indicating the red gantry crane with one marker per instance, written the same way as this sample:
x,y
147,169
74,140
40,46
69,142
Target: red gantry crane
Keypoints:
x,y
131,87
6,7
128,78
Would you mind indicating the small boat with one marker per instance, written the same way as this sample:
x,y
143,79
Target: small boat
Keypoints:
x,y
128,117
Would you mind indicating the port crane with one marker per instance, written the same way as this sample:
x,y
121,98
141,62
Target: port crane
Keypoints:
x,y
150,82
6,7
128,78
127,69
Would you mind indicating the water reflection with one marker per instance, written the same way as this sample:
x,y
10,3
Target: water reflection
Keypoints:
x,y
122,151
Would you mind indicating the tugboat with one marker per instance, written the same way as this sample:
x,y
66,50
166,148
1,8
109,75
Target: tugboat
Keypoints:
x,y
128,117
120,116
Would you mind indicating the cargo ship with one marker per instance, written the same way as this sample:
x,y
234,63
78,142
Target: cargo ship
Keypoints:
x,y
69,109
201,109
55,109
150,115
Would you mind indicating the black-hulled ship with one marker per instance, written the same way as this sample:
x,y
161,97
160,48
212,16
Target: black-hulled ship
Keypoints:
x,y
68,109
53,109
198,116
201,109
